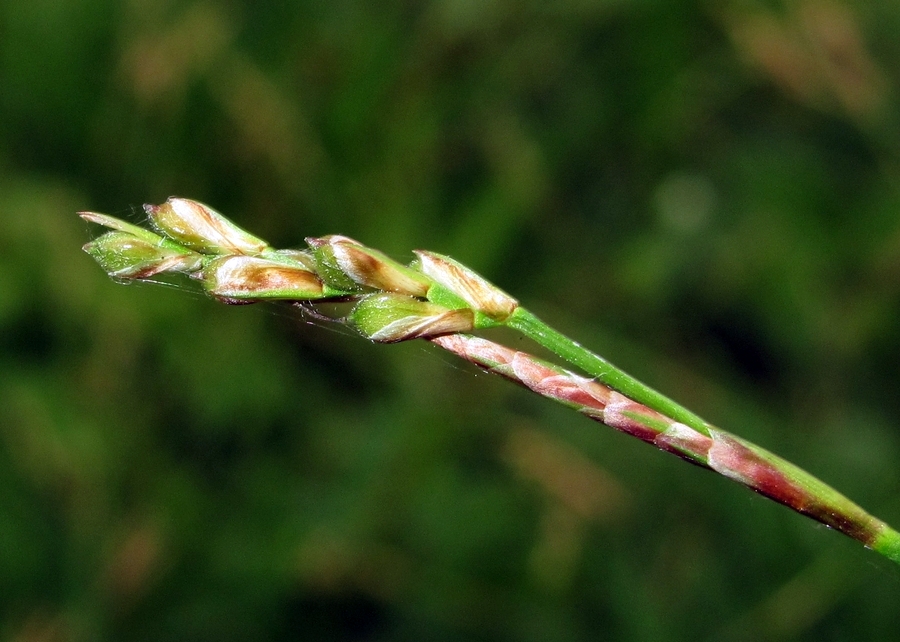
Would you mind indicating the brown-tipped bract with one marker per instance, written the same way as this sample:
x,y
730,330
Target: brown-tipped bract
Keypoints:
x,y
481,295
249,278
371,268
201,228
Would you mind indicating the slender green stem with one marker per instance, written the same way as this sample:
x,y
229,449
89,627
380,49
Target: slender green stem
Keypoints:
x,y
605,372
888,544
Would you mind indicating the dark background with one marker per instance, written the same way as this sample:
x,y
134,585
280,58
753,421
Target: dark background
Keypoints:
x,y
708,194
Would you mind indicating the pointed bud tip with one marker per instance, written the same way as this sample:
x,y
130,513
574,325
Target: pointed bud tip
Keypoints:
x,y
202,228
126,256
479,293
119,225
374,269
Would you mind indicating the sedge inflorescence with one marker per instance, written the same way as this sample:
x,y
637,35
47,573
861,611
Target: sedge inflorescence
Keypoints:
x,y
439,299
394,302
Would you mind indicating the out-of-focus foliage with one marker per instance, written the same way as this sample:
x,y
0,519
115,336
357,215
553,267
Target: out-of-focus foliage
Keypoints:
x,y
707,193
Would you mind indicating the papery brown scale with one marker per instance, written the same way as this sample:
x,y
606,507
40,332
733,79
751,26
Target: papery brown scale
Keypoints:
x,y
359,265
455,344
369,268
201,228
316,242
471,287
277,278
247,277
491,352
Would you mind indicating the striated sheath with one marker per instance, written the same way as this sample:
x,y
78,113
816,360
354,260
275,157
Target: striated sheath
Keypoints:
x,y
721,452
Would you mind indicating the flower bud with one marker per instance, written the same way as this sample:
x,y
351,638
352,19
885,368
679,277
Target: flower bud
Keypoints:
x,y
244,279
125,256
481,295
327,265
388,318
371,268
201,228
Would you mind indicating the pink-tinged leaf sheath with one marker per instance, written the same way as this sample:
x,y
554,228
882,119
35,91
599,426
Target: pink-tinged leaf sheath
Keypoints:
x,y
481,295
787,484
370,268
719,451
389,318
587,396
596,366
123,255
201,228
245,279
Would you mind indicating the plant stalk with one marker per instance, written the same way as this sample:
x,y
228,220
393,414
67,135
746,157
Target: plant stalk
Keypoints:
x,y
596,366
716,450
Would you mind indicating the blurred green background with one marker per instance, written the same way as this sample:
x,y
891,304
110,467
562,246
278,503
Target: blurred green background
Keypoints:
x,y
706,193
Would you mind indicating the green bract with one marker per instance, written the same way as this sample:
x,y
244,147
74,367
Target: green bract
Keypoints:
x,y
201,228
388,318
126,256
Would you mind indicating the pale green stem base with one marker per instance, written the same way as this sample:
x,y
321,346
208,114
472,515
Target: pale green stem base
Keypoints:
x,y
888,544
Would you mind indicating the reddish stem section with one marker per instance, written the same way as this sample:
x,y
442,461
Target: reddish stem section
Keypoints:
x,y
721,452
783,482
